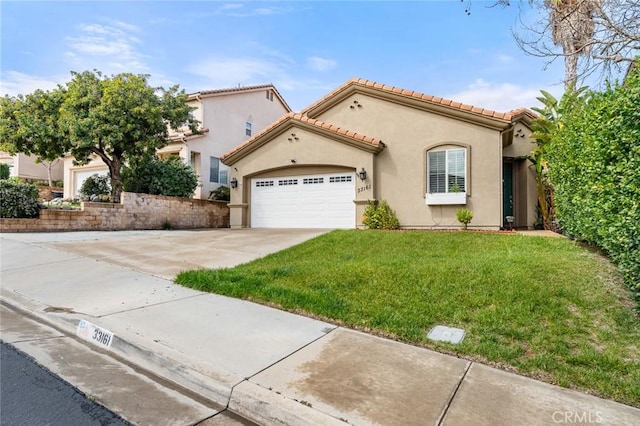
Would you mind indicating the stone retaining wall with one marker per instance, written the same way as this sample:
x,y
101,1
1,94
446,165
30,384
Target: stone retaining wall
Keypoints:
x,y
136,211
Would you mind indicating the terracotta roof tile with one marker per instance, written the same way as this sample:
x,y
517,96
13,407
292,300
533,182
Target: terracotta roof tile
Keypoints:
x,y
233,89
239,89
508,116
304,119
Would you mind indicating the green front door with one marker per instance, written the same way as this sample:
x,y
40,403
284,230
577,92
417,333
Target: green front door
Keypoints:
x,y
507,192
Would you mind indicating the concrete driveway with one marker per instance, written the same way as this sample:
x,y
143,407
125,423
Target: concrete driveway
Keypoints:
x,y
166,253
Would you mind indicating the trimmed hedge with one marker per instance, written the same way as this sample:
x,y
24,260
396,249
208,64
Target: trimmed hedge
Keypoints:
x,y
594,165
18,200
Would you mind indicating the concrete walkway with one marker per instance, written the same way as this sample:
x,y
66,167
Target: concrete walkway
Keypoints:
x,y
267,365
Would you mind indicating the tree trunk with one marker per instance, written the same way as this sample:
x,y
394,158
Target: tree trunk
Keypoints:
x,y
116,179
49,173
570,70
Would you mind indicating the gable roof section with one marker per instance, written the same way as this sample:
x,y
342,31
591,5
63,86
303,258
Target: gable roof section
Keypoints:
x,y
485,117
289,120
523,114
240,89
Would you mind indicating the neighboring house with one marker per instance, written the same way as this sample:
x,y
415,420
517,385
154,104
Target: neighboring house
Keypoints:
x,y
427,156
26,167
227,117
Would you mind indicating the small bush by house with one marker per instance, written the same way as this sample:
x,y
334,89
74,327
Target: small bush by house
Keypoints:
x,y
380,216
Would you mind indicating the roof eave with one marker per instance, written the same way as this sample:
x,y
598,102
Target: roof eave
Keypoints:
x,y
287,123
405,97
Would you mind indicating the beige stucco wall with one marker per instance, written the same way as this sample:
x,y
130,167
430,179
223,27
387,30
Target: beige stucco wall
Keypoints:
x,y
397,173
525,192
400,171
225,116
312,153
25,166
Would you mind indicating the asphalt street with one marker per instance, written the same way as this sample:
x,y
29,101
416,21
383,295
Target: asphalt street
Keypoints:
x,y
32,395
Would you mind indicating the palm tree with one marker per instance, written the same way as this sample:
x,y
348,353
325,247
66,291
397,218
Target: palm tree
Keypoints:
x,y
572,28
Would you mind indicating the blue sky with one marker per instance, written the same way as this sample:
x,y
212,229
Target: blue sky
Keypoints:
x,y
305,48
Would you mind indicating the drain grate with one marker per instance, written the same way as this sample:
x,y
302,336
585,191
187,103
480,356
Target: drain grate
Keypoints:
x,y
442,333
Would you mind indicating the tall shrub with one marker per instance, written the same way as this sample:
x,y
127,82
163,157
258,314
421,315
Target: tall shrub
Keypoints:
x,y
18,199
169,176
594,162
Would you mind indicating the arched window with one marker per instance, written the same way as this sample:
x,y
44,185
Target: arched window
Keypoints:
x,y
447,179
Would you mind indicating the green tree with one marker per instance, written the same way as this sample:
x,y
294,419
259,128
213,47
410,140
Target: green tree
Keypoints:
x,y
120,119
589,35
31,125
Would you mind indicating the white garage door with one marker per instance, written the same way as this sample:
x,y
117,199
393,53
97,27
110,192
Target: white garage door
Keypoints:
x,y
310,201
79,176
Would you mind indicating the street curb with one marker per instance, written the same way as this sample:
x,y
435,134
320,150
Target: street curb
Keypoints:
x,y
213,387
267,407
171,370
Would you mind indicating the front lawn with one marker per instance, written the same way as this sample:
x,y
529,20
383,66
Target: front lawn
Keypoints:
x,y
544,307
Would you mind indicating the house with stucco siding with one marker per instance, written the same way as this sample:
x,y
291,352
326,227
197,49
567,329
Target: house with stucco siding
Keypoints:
x,y
28,167
227,116
365,141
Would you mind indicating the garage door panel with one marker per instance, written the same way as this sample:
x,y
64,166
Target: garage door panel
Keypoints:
x,y
312,201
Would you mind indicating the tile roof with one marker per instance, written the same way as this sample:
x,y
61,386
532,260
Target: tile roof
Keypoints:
x,y
504,117
240,89
367,140
435,100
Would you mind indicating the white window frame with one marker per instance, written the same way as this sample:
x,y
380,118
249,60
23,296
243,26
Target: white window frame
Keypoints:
x,y
447,197
247,128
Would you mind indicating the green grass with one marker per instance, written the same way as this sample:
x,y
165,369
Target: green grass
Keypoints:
x,y
544,307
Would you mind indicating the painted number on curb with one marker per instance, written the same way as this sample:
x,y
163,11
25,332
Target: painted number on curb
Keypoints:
x,y
95,334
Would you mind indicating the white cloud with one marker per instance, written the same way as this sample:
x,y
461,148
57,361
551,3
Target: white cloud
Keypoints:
x,y
125,26
14,83
224,72
317,63
230,6
505,59
228,72
500,97
110,48
239,10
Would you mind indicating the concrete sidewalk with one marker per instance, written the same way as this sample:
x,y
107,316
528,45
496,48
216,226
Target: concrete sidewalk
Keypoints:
x,y
271,366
